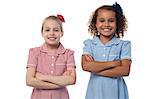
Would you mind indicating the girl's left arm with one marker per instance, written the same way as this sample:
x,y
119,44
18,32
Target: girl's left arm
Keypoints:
x,y
122,70
68,78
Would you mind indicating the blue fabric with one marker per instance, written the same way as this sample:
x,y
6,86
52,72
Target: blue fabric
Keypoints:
x,y
101,87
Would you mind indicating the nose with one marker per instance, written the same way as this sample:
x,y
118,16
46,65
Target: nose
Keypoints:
x,y
51,32
106,23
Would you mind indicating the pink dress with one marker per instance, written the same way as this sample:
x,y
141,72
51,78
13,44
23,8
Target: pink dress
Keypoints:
x,y
46,63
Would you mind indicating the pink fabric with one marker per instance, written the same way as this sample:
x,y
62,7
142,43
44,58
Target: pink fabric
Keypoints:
x,y
47,63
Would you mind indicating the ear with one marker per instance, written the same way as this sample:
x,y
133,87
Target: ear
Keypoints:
x,y
61,34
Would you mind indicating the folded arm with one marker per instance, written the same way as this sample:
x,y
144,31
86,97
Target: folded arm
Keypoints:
x,y
32,81
88,64
68,78
122,70
109,69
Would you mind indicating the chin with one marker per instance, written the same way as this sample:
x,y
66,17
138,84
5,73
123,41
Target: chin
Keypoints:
x,y
106,34
51,43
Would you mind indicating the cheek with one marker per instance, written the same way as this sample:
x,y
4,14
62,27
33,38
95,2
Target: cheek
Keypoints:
x,y
115,26
58,36
43,35
97,25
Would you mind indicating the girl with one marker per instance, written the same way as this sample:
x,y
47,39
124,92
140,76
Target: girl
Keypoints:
x,y
106,56
51,67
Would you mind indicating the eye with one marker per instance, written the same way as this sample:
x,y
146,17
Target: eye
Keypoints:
x,y
47,30
111,20
101,20
56,30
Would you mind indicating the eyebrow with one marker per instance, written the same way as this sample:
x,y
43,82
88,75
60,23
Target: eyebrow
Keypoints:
x,y
54,27
108,18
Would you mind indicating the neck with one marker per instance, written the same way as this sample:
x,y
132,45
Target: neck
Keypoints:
x,y
52,48
105,39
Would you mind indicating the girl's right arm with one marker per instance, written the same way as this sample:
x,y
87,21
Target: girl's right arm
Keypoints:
x,y
68,78
34,82
88,64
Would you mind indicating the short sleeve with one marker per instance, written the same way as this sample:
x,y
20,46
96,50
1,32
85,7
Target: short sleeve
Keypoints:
x,y
87,47
32,58
70,59
126,50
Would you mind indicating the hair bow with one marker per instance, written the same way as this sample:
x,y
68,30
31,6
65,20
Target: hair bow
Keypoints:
x,y
117,8
61,18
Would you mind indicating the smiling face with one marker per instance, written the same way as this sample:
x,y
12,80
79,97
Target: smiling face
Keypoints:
x,y
106,23
52,32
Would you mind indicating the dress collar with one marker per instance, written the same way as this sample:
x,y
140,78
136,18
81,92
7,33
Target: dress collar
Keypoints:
x,y
113,41
60,49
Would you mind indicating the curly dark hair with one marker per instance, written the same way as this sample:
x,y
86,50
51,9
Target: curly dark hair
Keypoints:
x,y
121,22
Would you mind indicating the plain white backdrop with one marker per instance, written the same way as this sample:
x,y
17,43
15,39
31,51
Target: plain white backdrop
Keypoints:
x,y
20,26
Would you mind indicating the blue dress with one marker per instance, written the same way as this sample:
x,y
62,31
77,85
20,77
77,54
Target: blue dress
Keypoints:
x,y
100,87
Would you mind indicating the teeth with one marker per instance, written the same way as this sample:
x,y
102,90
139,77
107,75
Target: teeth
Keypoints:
x,y
52,38
106,30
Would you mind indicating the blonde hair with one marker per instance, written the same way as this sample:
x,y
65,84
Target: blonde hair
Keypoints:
x,y
53,18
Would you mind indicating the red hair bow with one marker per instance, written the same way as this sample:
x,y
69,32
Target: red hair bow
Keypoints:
x,y
61,18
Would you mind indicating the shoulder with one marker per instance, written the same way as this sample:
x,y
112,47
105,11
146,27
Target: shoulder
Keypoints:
x,y
34,50
125,42
69,51
88,41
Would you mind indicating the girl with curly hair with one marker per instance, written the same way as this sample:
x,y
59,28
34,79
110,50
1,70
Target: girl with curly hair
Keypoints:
x,y
106,57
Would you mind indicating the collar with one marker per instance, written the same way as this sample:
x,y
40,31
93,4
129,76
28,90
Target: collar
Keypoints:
x,y
60,49
113,41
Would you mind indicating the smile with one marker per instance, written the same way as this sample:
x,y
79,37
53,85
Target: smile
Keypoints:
x,y
107,29
51,38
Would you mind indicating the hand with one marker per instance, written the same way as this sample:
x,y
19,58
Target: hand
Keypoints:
x,y
116,63
40,76
67,73
89,58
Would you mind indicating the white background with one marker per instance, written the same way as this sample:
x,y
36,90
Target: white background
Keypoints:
x,y
20,26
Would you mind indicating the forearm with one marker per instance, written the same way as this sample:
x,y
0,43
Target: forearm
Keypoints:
x,y
60,80
115,72
96,66
36,83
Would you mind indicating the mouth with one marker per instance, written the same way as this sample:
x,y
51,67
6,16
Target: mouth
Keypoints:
x,y
52,38
106,29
